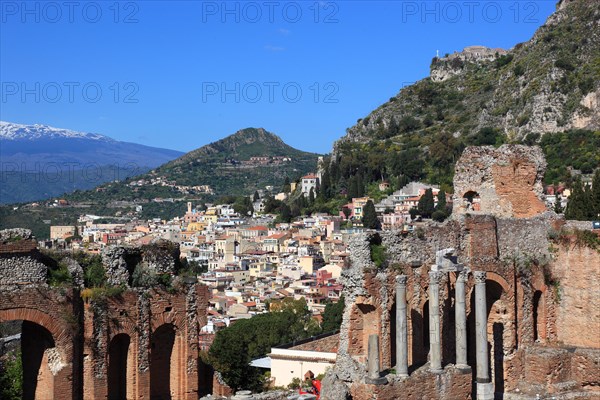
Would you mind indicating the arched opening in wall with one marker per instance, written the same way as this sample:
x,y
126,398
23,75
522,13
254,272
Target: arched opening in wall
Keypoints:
x,y
539,316
370,324
28,349
472,201
118,352
162,342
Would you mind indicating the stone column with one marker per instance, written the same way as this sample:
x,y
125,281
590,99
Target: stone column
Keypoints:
x,y
485,389
401,327
460,318
374,374
435,342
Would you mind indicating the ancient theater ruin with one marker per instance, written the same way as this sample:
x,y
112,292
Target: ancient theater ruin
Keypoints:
x,y
132,343
501,301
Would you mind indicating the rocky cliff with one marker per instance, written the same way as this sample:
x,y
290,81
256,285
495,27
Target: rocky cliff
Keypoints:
x,y
550,83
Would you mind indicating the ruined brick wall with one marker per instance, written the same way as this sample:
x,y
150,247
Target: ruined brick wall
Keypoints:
x,y
508,180
139,344
532,297
56,313
576,271
163,330
451,385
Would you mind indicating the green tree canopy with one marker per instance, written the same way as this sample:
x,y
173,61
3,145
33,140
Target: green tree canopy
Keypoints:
x,y
235,346
332,316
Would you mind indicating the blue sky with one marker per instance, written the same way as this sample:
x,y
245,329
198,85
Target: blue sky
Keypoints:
x,y
182,74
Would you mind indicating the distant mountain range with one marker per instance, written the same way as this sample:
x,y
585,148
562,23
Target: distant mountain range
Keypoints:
x,y
39,161
239,164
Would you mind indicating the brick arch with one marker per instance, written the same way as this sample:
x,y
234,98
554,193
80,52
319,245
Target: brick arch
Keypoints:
x,y
44,380
60,333
499,279
165,318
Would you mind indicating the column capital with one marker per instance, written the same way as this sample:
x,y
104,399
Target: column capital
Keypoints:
x,y
401,279
480,276
463,275
435,277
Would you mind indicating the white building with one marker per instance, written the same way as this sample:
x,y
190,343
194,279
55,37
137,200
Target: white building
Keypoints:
x,y
294,362
310,181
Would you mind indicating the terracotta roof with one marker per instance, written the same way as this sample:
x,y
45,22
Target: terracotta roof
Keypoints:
x,y
327,344
276,236
258,228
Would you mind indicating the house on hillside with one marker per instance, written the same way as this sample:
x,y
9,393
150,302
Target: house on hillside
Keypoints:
x,y
310,181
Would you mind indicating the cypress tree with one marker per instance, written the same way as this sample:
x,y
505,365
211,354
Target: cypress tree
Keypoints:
x,y
441,198
286,213
557,206
286,185
325,189
426,204
596,195
590,211
352,188
578,205
370,220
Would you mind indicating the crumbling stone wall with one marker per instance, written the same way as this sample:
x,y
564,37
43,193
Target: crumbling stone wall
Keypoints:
x,y
508,181
20,261
120,262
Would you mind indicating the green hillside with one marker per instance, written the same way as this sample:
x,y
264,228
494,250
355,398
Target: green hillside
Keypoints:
x,y
225,166
537,92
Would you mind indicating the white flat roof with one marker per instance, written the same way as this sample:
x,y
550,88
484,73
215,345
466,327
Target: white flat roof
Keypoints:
x,y
264,362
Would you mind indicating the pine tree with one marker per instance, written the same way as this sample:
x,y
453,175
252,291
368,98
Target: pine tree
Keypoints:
x,y
370,220
426,204
256,196
311,197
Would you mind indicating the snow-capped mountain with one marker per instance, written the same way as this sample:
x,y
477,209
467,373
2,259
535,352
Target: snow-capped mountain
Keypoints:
x,y
11,131
39,161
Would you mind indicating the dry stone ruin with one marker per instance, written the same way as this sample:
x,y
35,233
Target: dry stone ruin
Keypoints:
x,y
498,302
